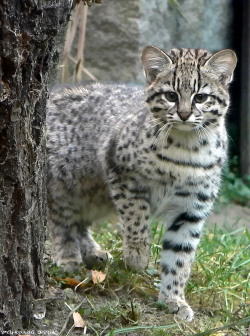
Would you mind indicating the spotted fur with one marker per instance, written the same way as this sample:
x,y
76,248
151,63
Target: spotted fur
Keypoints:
x,y
154,153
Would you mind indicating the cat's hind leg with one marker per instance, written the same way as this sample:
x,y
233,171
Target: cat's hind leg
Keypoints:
x,y
71,240
66,245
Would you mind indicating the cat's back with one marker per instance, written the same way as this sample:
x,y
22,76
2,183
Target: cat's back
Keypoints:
x,y
81,119
84,117
81,104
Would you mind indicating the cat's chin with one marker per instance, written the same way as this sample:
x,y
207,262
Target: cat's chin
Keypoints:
x,y
186,127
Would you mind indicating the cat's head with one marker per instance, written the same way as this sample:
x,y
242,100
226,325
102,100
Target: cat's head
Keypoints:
x,y
188,88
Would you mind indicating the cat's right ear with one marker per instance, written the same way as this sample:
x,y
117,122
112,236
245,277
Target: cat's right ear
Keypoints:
x,y
154,60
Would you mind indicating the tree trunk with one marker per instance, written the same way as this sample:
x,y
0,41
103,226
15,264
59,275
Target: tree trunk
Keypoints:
x,y
29,34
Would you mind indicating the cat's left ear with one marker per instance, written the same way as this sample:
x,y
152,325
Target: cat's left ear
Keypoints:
x,y
154,60
223,63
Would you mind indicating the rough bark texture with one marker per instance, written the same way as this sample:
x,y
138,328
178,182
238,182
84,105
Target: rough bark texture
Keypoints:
x,y
28,48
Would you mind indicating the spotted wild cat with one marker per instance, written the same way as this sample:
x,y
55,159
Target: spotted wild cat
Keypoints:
x,y
158,152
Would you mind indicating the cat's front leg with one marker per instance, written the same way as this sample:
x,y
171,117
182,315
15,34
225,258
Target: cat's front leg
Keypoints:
x,y
133,208
179,245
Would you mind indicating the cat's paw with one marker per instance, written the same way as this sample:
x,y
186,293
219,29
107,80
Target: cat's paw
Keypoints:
x,y
179,307
137,258
186,313
97,259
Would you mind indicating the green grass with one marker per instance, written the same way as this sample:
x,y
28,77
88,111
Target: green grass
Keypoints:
x,y
220,276
218,290
234,188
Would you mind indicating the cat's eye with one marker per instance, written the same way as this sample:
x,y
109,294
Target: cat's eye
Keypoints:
x,y
200,98
171,96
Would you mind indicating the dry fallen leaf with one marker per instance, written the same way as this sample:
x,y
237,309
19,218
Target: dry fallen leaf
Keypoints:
x,y
78,321
98,277
72,282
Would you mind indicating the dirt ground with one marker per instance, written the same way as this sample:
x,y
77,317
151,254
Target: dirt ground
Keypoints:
x,y
231,216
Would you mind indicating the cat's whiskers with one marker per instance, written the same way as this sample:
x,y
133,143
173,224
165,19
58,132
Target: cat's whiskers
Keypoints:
x,y
211,131
198,131
152,126
155,138
165,139
205,133
210,134
149,123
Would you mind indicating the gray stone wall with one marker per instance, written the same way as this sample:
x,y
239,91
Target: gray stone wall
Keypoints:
x,y
118,30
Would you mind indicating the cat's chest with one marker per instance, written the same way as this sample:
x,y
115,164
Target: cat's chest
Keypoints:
x,y
170,161
181,193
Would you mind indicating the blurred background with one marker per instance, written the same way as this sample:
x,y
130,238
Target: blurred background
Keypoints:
x,y
104,42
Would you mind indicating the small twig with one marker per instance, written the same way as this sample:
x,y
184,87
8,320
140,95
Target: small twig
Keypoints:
x,y
85,281
68,306
92,328
83,69
71,32
189,328
79,306
83,11
103,331
70,35
65,324
179,326
73,326
90,303
72,310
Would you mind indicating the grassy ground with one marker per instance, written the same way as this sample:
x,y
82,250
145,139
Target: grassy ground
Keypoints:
x,y
125,303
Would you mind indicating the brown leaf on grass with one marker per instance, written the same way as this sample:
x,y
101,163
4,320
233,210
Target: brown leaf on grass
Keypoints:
x,y
72,282
98,277
78,321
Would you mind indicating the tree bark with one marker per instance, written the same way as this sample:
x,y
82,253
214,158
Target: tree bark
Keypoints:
x,y
29,34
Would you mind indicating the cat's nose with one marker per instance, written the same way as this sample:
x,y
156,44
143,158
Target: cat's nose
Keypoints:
x,y
184,115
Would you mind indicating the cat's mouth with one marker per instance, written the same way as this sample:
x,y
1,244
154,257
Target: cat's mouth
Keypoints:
x,y
185,125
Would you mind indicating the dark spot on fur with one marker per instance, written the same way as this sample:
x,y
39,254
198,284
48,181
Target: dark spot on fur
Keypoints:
x,y
153,147
179,263
119,196
137,223
170,140
177,247
202,197
182,219
203,142
145,227
173,271
182,193
195,234
165,269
